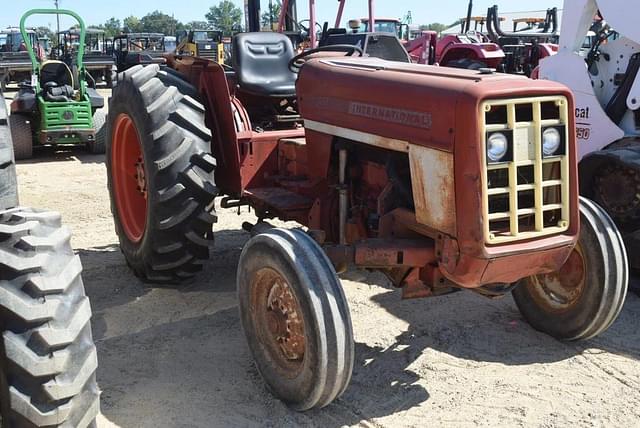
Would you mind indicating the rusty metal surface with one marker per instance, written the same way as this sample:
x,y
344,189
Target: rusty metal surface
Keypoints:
x,y
278,198
433,181
560,290
394,252
279,321
284,320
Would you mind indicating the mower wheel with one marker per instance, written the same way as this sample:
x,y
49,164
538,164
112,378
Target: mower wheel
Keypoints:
x,y
22,136
47,356
296,319
586,296
98,145
8,183
160,176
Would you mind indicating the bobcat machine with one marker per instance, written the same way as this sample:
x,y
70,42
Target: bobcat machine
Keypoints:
x,y
47,355
442,179
606,86
58,106
201,43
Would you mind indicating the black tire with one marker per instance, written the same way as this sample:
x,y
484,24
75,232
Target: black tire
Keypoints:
x,y
112,77
47,355
323,373
22,136
179,173
8,182
598,302
466,63
98,145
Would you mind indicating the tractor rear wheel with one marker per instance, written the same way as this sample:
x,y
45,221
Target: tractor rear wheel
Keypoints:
x,y
98,145
586,296
160,176
47,355
296,319
22,136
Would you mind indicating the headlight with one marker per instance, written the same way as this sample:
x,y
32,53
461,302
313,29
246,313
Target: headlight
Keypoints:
x,y
497,147
551,141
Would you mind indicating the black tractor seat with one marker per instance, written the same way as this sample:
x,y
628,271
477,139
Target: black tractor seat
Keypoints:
x,y
261,63
56,80
54,93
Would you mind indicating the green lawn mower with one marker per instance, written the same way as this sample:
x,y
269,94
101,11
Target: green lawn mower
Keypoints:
x,y
60,105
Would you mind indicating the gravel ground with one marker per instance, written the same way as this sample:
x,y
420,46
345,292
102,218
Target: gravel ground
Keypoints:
x,y
176,357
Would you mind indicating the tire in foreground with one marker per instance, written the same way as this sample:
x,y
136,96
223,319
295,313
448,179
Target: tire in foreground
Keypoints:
x,y
296,319
47,356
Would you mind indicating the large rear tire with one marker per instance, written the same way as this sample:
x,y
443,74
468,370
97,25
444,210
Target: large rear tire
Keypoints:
x,y
296,319
160,176
22,136
586,296
47,356
8,182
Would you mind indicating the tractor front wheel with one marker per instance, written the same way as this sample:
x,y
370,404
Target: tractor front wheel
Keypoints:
x,y
296,319
586,296
160,176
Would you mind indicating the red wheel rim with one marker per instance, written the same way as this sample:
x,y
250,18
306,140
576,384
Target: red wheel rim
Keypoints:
x,y
130,186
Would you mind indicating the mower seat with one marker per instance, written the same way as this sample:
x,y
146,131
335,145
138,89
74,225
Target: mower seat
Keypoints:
x,y
261,63
55,72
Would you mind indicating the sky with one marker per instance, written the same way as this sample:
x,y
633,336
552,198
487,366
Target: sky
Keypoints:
x,y
423,11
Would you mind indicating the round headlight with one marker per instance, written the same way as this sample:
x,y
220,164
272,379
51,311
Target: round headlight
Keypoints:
x,y
497,147
551,141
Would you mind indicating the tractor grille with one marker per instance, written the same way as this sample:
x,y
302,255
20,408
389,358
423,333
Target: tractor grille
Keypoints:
x,y
211,53
526,196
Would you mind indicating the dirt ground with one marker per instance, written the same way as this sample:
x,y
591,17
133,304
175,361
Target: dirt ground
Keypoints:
x,y
176,357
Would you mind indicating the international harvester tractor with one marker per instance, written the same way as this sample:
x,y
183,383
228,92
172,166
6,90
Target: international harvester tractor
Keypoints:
x,y
443,179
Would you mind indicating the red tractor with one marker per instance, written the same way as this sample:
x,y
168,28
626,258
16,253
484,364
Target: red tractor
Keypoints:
x,y
524,48
442,179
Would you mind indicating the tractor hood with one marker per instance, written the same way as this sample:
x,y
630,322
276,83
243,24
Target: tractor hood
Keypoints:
x,y
414,103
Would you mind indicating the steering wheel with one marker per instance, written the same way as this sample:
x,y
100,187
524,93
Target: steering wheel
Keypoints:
x,y
306,28
297,61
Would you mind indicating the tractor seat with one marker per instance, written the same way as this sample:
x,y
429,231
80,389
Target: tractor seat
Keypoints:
x,y
261,63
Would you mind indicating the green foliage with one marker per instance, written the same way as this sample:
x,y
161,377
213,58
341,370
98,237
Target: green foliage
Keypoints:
x,y
112,27
436,26
158,22
226,17
46,32
272,15
197,25
131,24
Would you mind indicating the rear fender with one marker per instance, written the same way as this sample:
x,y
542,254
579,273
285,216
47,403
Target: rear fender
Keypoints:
x,y
489,53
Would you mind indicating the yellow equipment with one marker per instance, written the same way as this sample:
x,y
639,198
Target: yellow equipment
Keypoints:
x,y
201,43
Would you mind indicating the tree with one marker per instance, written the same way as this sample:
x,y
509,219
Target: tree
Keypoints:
x,y
158,22
112,27
226,17
46,32
436,26
272,16
132,24
197,25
